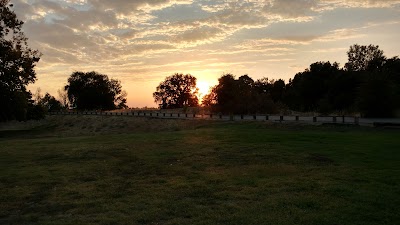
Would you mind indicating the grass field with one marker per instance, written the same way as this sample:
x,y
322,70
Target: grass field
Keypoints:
x,y
199,173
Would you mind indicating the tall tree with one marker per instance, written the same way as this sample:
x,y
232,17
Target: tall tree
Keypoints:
x,y
241,95
224,94
50,103
378,96
88,91
306,90
277,90
17,63
362,57
177,91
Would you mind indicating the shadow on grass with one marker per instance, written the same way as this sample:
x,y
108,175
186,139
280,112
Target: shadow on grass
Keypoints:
x,y
37,132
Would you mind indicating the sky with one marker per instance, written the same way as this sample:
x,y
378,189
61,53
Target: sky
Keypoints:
x,y
140,42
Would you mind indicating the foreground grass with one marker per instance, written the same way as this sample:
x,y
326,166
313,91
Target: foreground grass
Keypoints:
x,y
224,173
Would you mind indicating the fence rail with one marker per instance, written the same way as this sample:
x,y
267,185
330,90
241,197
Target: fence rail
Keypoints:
x,y
257,117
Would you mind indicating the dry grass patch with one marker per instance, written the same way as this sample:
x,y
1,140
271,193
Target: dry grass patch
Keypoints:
x,y
98,125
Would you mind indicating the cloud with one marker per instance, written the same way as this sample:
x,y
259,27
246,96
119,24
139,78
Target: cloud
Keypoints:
x,y
290,8
330,50
119,25
200,35
238,17
340,34
332,4
127,7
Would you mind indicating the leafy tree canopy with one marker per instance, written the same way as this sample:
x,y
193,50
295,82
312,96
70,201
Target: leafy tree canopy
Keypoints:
x,y
89,91
362,57
50,103
241,95
177,91
17,63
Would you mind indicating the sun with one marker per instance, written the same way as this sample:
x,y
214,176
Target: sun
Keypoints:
x,y
204,88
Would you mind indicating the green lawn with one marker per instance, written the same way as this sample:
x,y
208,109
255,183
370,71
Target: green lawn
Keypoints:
x,y
221,173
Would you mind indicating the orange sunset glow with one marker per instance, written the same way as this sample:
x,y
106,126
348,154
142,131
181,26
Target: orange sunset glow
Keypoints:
x,y
204,87
142,42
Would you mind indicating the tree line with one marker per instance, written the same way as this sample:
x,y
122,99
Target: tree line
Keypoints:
x,y
368,84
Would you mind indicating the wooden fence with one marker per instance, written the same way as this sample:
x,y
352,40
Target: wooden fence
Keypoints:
x,y
274,118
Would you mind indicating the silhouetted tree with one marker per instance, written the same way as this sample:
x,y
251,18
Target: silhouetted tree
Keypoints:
x,y
306,89
362,57
210,99
88,91
17,62
177,91
392,69
50,103
378,92
245,95
241,95
262,97
263,85
377,97
277,90
224,94
341,93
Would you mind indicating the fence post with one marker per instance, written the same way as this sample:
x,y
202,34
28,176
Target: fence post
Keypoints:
x,y
297,118
280,119
334,119
220,116
254,117
210,115
356,120
343,119
314,119
179,115
241,117
266,117
194,115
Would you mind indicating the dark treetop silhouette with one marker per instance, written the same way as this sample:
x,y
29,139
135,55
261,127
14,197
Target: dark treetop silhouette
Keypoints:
x,y
89,91
17,63
177,91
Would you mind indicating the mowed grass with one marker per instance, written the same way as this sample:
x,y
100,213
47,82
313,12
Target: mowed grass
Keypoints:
x,y
221,173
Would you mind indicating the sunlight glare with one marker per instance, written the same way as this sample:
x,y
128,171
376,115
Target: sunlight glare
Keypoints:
x,y
204,87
